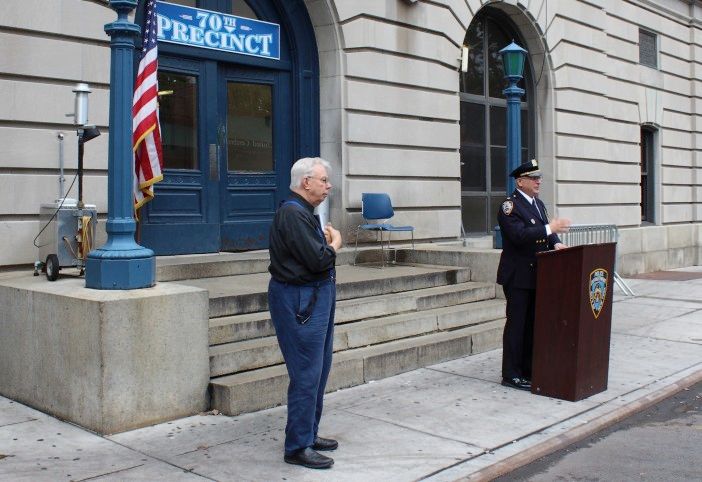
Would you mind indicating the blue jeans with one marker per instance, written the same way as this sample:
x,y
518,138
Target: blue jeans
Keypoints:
x,y
307,345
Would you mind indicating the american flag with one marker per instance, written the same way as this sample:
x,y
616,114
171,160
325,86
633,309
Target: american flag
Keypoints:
x,y
146,132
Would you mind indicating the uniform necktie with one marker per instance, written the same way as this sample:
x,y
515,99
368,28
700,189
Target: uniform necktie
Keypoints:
x,y
533,203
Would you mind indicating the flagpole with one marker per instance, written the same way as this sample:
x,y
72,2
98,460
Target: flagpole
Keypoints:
x,y
121,263
137,217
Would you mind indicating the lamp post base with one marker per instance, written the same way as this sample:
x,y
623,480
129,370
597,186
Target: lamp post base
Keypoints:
x,y
111,273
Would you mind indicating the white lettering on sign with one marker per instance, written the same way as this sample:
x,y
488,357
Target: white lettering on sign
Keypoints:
x,y
203,28
192,35
180,32
266,41
197,35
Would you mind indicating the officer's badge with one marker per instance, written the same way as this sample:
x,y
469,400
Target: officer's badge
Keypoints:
x,y
598,290
507,207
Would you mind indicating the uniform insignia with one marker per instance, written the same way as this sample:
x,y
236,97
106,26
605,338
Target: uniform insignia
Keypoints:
x,y
598,290
507,207
532,221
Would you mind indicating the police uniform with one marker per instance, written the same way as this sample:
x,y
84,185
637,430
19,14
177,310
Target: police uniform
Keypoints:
x,y
523,229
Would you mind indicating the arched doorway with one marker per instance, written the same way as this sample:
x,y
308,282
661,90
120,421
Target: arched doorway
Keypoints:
x,y
232,125
483,120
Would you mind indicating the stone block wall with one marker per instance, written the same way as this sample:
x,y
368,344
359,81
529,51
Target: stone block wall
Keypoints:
x,y
109,361
656,248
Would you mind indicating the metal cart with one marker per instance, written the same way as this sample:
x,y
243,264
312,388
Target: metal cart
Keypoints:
x,y
67,237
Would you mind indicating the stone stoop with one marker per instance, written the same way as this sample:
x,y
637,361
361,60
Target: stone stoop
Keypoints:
x,y
211,265
388,321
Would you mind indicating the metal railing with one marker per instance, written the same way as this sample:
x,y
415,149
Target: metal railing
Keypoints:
x,y
580,234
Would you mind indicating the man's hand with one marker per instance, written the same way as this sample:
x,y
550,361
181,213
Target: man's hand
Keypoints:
x,y
333,237
559,246
559,225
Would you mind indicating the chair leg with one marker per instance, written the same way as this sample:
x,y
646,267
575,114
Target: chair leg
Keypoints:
x,y
382,250
394,252
355,251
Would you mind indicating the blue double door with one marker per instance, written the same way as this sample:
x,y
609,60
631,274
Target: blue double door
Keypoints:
x,y
227,134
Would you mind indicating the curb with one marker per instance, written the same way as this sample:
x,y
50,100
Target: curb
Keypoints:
x,y
578,433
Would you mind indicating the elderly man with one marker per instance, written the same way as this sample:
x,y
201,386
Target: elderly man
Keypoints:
x,y
526,231
301,299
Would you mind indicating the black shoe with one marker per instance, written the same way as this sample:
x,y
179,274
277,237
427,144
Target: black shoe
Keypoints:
x,y
518,383
324,444
309,458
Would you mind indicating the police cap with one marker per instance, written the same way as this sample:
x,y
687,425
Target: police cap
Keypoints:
x,y
529,168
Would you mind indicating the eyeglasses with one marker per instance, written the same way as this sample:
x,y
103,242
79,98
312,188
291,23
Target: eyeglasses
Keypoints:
x,y
533,178
323,180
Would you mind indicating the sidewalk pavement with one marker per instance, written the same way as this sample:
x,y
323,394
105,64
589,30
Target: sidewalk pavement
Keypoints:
x,y
445,422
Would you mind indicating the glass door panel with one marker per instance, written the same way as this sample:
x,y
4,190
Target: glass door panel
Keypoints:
x,y
182,217
241,9
178,117
250,127
256,147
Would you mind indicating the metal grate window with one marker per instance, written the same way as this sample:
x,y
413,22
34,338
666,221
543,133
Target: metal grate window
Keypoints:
x,y
483,121
648,50
647,178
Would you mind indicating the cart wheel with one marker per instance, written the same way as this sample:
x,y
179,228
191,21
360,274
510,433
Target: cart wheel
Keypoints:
x,y
52,267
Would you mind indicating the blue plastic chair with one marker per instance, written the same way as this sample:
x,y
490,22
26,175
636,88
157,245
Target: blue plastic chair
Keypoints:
x,y
378,207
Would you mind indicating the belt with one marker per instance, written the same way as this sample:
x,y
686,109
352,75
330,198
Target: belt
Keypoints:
x,y
304,316
310,284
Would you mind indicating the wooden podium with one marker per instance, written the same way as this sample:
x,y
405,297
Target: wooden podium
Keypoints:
x,y
574,290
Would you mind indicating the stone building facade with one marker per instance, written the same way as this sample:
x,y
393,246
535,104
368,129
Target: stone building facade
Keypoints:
x,y
612,111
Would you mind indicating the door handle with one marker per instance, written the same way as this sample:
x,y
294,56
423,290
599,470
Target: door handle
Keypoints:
x,y
214,162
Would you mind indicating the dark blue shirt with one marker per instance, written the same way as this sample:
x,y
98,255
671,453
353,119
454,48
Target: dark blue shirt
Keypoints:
x,y
298,251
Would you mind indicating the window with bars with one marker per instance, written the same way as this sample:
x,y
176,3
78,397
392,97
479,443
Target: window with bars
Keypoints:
x,y
484,121
647,178
648,48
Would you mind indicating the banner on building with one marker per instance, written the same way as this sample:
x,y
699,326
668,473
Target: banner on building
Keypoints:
x,y
196,27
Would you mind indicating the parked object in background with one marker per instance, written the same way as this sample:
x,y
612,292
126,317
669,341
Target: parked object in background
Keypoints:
x,y
378,207
67,236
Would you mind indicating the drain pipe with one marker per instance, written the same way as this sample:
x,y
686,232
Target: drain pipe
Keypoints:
x,y
62,179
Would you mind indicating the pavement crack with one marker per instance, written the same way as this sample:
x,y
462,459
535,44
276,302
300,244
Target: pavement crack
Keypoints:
x,y
693,341
462,375
406,427
18,423
110,473
152,457
685,300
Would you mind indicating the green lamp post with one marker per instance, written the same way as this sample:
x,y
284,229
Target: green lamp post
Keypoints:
x,y
513,58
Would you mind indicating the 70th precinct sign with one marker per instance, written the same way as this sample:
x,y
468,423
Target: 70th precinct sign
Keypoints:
x,y
213,30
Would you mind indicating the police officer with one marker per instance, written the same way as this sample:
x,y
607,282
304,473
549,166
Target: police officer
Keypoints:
x,y
301,300
526,230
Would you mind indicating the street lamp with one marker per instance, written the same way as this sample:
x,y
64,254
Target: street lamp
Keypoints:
x,y
121,264
513,58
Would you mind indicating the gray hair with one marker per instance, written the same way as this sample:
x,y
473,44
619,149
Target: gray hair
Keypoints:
x,y
303,168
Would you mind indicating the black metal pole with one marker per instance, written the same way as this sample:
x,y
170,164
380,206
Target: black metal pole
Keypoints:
x,y
80,167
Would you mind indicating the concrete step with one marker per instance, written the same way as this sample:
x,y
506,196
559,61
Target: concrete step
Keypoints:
x,y
213,265
266,387
252,325
261,352
233,295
